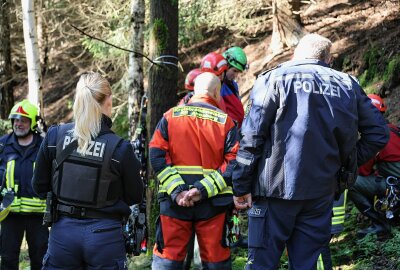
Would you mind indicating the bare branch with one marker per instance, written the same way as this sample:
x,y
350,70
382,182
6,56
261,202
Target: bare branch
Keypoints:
x,y
115,46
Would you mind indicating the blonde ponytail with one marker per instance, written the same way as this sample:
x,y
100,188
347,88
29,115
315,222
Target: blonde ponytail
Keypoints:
x,y
91,91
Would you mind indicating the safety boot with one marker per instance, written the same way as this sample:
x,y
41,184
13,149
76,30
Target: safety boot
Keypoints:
x,y
381,230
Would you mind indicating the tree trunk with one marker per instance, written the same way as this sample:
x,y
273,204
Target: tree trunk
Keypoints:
x,y
135,71
6,94
43,38
162,78
287,29
32,54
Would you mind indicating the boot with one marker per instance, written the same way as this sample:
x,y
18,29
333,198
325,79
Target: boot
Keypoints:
x,y
380,230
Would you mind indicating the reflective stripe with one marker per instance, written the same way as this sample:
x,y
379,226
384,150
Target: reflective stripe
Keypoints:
x,y
169,179
22,204
28,205
193,170
198,112
165,174
339,212
219,180
209,185
227,190
320,263
10,174
213,181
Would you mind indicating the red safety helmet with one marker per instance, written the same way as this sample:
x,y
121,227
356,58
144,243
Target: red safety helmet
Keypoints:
x,y
214,63
190,77
378,102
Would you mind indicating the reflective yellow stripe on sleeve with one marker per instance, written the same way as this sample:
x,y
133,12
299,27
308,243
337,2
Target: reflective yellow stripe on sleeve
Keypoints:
x,y
169,179
209,185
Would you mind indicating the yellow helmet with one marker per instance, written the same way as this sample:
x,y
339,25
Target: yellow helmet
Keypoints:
x,y
26,109
5,205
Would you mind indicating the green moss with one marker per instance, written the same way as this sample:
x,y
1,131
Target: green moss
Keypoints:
x,y
393,68
371,58
160,35
174,2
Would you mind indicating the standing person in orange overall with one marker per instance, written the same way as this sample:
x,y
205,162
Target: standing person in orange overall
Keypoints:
x,y
192,153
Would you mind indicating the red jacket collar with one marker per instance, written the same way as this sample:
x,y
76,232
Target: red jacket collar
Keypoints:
x,y
206,99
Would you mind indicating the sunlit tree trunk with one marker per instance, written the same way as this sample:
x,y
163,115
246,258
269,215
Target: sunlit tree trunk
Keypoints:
x,y
43,38
32,53
287,28
163,77
6,94
135,71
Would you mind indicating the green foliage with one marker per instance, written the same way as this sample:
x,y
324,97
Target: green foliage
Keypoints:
x,y
371,58
5,127
121,123
175,2
160,34
190,22
393,68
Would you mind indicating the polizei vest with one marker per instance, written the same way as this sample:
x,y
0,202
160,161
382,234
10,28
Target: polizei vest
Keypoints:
x,y
86,180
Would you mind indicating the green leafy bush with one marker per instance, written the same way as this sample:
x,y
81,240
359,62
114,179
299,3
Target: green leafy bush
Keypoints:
x,y
5,127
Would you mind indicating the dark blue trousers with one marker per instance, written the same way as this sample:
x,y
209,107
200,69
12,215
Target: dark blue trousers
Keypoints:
x,y
86,244
13,228
303,226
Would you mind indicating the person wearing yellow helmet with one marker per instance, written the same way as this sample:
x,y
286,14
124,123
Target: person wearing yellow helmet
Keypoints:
x,y
23,215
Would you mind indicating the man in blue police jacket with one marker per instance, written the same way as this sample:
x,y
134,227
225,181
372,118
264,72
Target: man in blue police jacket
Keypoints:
x,y
303,122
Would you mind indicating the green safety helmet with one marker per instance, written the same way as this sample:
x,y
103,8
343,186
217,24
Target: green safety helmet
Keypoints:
x,y
26,109
5,205
236,58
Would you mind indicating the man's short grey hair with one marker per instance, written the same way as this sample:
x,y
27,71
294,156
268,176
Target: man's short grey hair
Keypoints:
x,y
313,46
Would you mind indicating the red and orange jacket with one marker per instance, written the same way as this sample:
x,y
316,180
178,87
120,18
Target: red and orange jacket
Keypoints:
x,y
195,145
390,154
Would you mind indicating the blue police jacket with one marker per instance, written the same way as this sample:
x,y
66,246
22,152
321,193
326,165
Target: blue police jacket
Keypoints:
x,y
124,163
303,120
24,161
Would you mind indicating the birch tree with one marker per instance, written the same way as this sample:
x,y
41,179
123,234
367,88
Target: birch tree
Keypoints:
x,y
135,71
32,53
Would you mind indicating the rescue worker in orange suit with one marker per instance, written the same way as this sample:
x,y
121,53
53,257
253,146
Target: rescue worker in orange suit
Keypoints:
x,y
192,152
371,181
18,151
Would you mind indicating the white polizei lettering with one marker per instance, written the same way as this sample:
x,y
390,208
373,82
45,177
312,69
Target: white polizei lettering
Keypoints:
x,y
96,150
89,149
335,91
296,86
102,149
318,89
67,140
326,89
307,87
